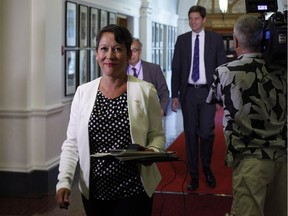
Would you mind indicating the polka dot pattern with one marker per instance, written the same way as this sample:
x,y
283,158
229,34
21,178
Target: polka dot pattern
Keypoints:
x,y
109,128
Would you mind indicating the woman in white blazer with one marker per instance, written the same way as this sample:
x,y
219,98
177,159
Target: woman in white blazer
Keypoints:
x,y
112,112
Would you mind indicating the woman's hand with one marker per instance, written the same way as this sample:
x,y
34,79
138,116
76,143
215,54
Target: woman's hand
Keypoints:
x,y
147,149
62,198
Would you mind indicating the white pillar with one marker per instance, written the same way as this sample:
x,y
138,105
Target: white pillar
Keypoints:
x,y
145,29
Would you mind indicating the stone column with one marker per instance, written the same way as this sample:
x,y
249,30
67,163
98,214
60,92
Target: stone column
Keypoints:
x,y
145,29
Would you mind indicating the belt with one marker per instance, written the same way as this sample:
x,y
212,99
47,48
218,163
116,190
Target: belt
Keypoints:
x,y
198,85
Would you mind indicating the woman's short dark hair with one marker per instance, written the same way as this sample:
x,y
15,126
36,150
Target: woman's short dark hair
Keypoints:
x,y
198,8
122,35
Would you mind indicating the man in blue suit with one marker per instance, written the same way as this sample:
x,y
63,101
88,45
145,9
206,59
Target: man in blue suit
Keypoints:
x,y
149,72
191,92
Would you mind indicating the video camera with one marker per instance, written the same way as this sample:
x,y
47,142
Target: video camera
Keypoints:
x,y
274,46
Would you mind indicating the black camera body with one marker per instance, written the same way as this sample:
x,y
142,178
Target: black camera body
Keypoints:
x,y
274,46
275,40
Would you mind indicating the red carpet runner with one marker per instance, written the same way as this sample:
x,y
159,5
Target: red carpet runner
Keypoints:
x,y
175,177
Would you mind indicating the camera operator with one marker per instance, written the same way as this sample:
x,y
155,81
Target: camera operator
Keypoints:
x,y
253,94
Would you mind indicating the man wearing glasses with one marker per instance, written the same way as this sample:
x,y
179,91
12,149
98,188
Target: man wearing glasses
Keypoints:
x,y
149,72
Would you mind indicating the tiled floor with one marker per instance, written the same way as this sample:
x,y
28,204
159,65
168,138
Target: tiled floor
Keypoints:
x,y
46,205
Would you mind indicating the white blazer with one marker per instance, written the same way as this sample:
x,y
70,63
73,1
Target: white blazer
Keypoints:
x,y
145,126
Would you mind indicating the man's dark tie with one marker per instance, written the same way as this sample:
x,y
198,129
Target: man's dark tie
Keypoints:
x,y
134,72
195,71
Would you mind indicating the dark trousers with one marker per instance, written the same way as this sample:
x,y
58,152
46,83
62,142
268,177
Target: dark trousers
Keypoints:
x,y
140,205
199,124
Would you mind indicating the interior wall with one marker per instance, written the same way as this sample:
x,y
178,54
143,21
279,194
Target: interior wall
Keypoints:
x,y
34,112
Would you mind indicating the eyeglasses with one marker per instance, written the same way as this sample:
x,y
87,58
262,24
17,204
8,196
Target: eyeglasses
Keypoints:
x,y
135,50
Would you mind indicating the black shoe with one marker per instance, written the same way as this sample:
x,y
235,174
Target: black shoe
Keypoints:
x,y
194,184
210,179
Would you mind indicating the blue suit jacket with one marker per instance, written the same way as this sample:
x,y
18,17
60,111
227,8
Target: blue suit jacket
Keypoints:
x,y
214,56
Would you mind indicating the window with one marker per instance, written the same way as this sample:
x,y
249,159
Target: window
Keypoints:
x,y
163,40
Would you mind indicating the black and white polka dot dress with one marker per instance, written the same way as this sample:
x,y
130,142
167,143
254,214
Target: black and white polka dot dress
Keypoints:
x,y
109,128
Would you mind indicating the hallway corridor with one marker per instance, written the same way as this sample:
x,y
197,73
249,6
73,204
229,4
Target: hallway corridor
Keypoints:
x,y
46,205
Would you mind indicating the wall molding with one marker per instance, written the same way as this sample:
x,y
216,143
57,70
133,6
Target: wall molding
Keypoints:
x,y
39,112
22,168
